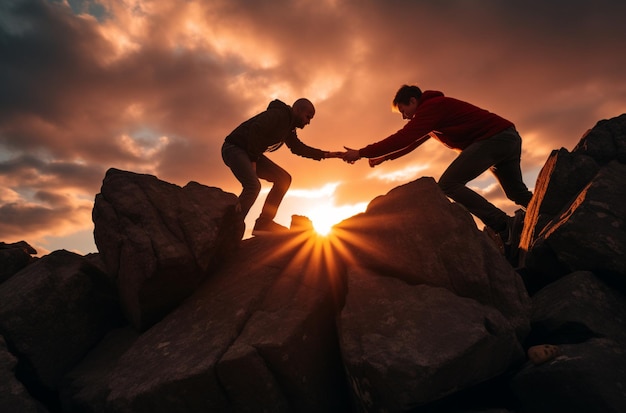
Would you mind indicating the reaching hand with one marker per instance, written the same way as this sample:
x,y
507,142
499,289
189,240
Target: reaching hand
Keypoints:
x,y
351,155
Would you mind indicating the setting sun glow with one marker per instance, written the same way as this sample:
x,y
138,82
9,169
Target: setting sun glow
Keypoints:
x,y
325,217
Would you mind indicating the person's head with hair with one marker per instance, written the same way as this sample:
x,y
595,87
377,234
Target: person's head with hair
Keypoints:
x,y
404,95
406,100
303,111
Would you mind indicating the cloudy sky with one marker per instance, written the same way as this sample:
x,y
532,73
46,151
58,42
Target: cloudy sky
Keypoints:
x,y
154,86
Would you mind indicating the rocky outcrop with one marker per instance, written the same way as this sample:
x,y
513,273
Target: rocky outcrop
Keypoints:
x,y
406,279
14,257
53,313
160,241
577,193
407,307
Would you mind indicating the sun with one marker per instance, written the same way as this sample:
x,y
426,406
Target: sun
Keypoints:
x,y
325,217
323,226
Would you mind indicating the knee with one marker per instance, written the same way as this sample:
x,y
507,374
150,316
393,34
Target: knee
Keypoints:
x,y
284,180
253,187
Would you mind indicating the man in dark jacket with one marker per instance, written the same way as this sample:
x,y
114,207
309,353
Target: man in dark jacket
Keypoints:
x,y
243,152
484,140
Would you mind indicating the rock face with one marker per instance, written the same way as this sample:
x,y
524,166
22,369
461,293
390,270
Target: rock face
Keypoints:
x,y
407,307
53,313
581,192
407,278
160,241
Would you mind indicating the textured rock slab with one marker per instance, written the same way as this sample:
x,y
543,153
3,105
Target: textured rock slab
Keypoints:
x,y
257,336
416,234
53,312
599,212
160,240
405,346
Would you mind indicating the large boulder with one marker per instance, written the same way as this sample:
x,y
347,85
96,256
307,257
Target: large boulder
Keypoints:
x,y
586,319
259,335
429,300
160,241
580,193
53,312
408,345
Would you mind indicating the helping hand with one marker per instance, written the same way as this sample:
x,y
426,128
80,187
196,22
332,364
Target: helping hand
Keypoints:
x,y
351,155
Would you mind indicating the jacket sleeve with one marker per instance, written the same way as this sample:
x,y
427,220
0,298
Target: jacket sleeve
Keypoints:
x,y
398,141
403,151
300,148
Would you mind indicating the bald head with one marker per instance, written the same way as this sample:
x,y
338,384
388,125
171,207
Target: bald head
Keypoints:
x,y
303,111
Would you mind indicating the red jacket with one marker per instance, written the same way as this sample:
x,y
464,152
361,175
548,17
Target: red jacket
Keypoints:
x,y
456,124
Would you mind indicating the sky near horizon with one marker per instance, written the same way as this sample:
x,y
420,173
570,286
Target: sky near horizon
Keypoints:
x,y
155,86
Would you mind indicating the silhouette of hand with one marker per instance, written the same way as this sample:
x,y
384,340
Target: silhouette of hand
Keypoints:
x,y
351,155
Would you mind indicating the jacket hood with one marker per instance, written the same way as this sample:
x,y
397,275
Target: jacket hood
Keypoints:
x,y
429,94
278,104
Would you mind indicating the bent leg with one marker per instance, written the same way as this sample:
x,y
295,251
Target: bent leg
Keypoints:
x,y
268,170
471,162
509,174
239,163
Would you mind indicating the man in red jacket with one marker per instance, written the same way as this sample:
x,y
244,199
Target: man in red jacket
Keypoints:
x,y
243,152
484,140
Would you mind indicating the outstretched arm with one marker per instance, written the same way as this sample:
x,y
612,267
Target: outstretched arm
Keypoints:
x,y
336,154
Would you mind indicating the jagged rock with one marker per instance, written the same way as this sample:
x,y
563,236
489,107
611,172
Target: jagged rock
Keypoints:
x,y
560,180
415,234
301,223
257,336
23,245
408,345
591,203
606,141
13,395
160,240
14,257
587,320
53,312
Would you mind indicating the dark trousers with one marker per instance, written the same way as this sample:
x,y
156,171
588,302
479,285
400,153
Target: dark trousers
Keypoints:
x,y
248,173
500,154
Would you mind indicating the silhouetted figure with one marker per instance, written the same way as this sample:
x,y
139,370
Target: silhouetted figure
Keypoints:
x,y
243,152
484,140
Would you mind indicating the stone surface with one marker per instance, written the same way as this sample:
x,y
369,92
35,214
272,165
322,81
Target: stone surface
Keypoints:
x,y
53,312
160,241
408,345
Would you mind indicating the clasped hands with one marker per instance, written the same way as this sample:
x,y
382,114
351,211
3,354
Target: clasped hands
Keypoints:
x,y
352,155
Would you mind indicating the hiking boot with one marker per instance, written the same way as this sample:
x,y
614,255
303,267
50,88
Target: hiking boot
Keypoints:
x,y
267,226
